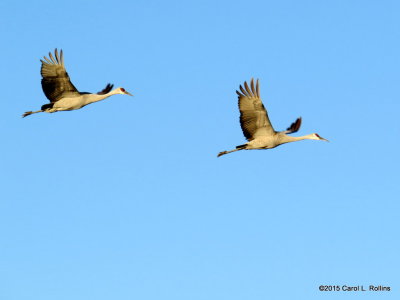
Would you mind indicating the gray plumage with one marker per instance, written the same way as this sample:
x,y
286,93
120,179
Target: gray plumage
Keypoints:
x,y
257,127
58,88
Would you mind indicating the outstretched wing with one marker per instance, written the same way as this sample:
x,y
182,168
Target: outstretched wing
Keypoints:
x,y
107,89
294,127
55,82
253,115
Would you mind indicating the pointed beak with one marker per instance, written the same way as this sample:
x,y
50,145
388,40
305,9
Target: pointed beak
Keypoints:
x,y
127,93
324,139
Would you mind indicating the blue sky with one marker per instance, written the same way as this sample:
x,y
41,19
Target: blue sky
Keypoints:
x,y
126,199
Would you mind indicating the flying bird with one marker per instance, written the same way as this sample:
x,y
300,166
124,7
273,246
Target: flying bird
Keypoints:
x,y
257,127
59,89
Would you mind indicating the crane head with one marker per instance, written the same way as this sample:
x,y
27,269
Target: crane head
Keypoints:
x,y
316,136
123,91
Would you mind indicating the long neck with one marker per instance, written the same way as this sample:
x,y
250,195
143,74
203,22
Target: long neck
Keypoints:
x,y
288,139
90,98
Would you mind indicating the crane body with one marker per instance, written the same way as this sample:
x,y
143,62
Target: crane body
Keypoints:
x,y
256,125
59,89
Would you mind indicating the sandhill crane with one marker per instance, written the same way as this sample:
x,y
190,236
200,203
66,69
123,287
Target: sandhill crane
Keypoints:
x,y
59,89
256,125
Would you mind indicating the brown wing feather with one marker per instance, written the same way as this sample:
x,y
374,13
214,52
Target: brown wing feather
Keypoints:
x,y
243,91
253,115
55,82
107,89
294,127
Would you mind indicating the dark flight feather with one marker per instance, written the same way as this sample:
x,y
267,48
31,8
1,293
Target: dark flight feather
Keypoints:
x,y
294,127
106,90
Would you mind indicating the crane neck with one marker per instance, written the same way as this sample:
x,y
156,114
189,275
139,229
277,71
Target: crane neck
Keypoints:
x,y
288,139
90,98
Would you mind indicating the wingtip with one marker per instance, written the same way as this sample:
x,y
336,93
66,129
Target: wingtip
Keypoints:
x,y
252,90
258,88
246,86
242,90
62,57
300,121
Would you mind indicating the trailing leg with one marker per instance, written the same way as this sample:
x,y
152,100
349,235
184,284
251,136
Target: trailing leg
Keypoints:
x,y
31,112
226,152
240,147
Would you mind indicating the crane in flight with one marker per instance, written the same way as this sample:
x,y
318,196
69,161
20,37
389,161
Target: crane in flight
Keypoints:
x,y
257,127
59,89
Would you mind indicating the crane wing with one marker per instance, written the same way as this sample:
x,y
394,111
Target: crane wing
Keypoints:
x,y
55,82
294,127
253,115
107,89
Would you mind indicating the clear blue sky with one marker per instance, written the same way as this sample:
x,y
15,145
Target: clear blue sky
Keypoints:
x,y
126,199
